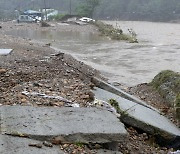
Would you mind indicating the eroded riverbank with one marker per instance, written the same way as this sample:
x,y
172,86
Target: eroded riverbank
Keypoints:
x,y
37,68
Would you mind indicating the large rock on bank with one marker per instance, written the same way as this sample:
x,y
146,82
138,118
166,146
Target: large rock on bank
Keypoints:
x,y
85,125
144,118
168,85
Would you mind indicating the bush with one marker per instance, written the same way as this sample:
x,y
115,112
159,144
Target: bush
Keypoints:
x,y
114,33
56,17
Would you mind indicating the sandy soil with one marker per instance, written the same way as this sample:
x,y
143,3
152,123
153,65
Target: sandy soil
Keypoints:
x,y
38,68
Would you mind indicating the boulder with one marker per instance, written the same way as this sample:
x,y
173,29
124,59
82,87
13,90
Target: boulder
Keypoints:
x,y
168,85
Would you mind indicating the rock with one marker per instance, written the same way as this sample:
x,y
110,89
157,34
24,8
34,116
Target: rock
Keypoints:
x,y
18,145
168,85
5,52
2,71
85,125
47,144
143,118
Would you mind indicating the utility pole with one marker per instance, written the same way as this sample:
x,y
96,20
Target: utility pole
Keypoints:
x,y
33,3
45,9
70,6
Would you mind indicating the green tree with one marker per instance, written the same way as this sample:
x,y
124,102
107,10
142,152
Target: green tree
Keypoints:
x,y
87,8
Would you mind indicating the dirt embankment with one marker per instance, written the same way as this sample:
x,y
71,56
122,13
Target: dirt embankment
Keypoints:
x,y
37,68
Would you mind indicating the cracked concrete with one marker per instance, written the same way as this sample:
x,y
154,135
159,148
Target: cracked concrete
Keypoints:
x,y
86,125
144,118
19,145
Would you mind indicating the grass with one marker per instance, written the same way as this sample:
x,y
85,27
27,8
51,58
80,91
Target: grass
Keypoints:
x,y
115,104
114,33
79,144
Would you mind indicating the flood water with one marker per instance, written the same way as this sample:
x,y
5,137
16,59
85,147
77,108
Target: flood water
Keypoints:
x,y
129,64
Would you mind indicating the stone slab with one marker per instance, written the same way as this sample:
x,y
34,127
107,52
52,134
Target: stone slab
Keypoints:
x,y
5,52
142,117
73,124
108,87
17,145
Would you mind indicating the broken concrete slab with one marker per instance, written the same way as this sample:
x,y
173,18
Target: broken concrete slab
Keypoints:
x,y
86,125
19,145
108,87
5,52
143,118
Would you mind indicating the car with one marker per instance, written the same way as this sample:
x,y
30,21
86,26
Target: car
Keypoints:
x,y
86,19
26,18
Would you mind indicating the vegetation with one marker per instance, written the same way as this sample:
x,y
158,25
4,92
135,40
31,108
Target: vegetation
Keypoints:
x,y
115,104
178,106
114,33
79,144
168,85
87,8
151,10
56,17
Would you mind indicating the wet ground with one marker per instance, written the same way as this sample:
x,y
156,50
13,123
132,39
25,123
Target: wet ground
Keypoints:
x,y
128,64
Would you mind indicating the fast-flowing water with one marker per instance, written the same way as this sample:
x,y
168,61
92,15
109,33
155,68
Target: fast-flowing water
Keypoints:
x,y
130,64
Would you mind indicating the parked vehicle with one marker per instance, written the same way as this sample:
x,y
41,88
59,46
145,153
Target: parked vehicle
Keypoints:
x,y
25,18
86,19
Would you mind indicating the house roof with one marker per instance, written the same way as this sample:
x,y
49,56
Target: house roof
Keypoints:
x,y
31,12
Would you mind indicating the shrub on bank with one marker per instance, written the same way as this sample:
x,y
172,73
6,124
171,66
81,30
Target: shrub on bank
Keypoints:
x,y
114,33
57,17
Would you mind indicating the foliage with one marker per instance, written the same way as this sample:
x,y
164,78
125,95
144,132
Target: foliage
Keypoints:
x,y
151,10
114,33
154,10
115,104
56,17
79,144
87,8
83,10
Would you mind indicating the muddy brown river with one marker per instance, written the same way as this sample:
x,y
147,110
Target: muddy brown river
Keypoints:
x,y
129,64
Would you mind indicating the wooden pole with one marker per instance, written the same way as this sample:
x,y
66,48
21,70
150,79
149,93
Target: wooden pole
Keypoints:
x,y
45,9
70,7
